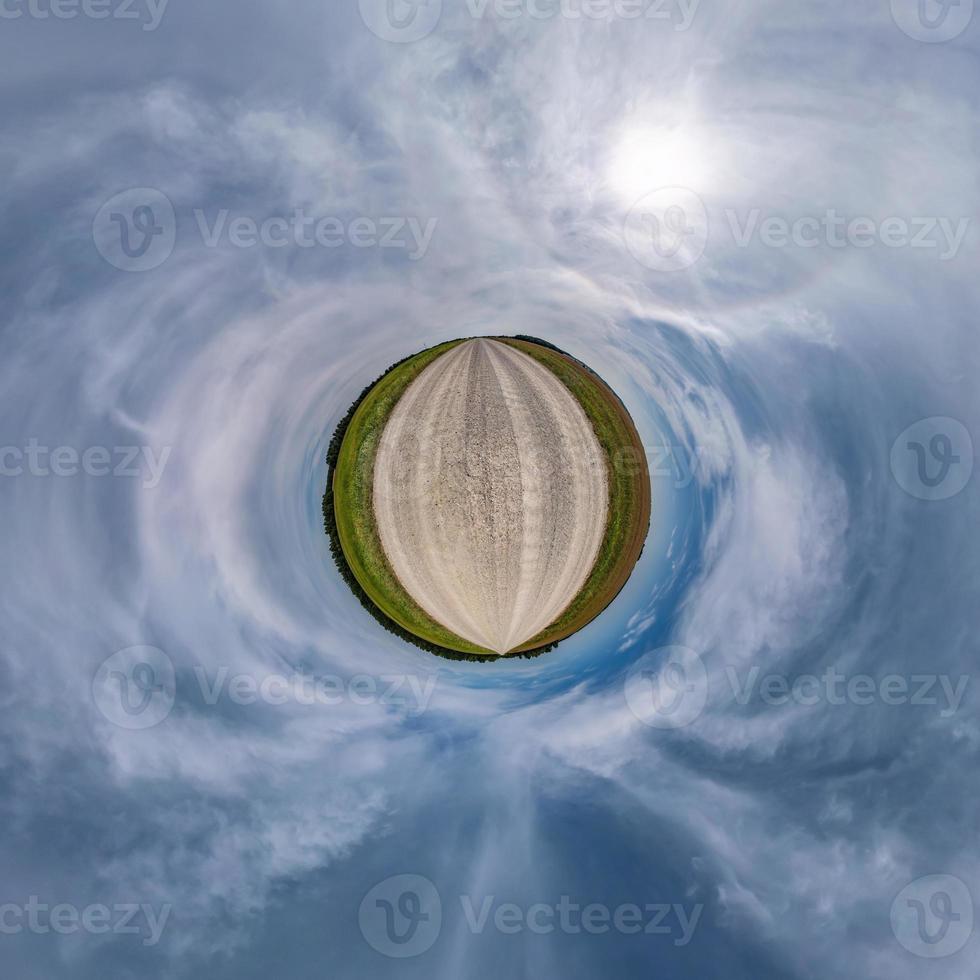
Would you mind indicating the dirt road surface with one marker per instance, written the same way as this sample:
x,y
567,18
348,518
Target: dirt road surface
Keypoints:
x,y
490,493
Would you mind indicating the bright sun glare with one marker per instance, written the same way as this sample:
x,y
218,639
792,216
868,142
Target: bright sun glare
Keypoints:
x,y
647,158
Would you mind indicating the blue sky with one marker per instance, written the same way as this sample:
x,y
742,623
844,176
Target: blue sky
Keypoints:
x,y
757,221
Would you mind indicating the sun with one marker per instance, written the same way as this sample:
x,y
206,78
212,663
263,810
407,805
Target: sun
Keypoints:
x,y
647,158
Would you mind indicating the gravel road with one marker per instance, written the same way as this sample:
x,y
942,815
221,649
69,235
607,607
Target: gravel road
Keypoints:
x,y
490,494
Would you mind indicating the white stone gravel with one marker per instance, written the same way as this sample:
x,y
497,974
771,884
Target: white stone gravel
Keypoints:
x,y
491,494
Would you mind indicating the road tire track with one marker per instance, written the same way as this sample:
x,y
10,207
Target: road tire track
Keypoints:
x,y
490,494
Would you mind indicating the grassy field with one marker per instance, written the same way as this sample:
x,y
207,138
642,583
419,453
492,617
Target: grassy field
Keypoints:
x,y
353,482
348,504
629,490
